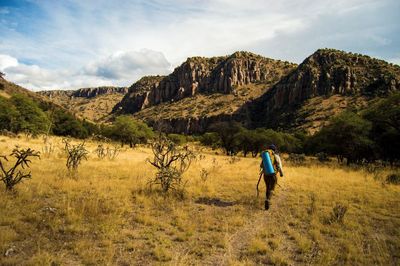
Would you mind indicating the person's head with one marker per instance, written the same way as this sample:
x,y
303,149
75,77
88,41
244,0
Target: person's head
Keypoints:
x,y
272,147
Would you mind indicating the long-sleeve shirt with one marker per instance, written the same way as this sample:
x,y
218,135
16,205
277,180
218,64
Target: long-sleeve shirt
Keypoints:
x,y
278,164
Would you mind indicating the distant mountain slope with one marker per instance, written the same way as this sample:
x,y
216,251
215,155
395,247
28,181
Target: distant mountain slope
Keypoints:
x,y
7,89
199,75
90,103
202,89
254,90
326,83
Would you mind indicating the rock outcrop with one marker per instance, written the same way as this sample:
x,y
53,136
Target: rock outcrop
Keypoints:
x,y
94,104
85,92
203,75
326,73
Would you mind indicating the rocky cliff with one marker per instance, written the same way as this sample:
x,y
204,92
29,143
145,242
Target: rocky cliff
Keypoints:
x,y
85,92
203,75
335,78
89,103
303,98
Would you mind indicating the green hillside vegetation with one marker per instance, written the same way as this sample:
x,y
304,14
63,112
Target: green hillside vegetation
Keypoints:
x,y
363,137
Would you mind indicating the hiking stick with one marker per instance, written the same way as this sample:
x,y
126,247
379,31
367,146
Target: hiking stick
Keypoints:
x,y
258,182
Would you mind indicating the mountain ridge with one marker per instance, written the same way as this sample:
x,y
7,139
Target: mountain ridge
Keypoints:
x,y
254,90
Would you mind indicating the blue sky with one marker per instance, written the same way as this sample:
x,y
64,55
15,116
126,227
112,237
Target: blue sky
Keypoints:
x,y
51,44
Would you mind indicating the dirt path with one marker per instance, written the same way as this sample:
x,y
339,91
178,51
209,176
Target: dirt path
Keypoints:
x,y
239,241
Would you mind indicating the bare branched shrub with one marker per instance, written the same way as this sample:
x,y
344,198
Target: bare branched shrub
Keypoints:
x,y
67,143
100,151
171,162
233,159
311,208
215,164
14,175
48,148
112,153
204,174
75,155
337,215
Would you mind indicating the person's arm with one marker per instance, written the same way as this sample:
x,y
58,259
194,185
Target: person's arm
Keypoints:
x,y
279,162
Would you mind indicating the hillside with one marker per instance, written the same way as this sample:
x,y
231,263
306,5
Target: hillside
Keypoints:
x,y
89,103
8,89
202,89
254,90
326,83
260,92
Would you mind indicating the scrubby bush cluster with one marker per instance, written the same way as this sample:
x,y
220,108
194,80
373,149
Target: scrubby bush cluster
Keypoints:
x,y
234,138
359,138
128,131
373,134
20,114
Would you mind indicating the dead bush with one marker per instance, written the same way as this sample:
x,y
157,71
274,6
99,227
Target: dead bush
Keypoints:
x,y
171,162
100,151
112,153
204,174
75,155
14,175
337,214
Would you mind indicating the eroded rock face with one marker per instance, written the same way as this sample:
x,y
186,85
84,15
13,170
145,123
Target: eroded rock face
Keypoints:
x,y
93,92
85,92
202,75
325,73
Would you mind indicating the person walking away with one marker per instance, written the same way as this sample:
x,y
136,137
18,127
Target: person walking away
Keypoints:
x,y
270,165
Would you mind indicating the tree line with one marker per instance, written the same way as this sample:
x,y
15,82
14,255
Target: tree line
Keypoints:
x,y
353,137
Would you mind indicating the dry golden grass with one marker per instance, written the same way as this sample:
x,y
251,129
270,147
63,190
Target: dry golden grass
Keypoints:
x,y
107,216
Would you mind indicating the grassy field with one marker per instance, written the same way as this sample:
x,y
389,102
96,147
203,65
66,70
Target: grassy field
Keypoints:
x,y
108,216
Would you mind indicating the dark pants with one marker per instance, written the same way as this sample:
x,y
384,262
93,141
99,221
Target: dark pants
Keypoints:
x,y
270,182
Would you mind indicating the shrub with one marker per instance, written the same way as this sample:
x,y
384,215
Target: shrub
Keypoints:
x,y
337,214
393,179
322,157
297,159
171,162
178,139
130,131
14,175
75,155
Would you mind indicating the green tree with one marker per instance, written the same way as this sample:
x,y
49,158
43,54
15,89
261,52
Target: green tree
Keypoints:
x,y
211,139
8,115
130,131
227,133
347,137
385,118
178,139
65,124
30,117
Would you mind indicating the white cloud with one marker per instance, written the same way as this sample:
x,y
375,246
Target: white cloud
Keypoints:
x,y
7,61
119,69
128,65
93,41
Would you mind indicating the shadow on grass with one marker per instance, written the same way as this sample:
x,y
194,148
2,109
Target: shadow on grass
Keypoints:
x,y
215,201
